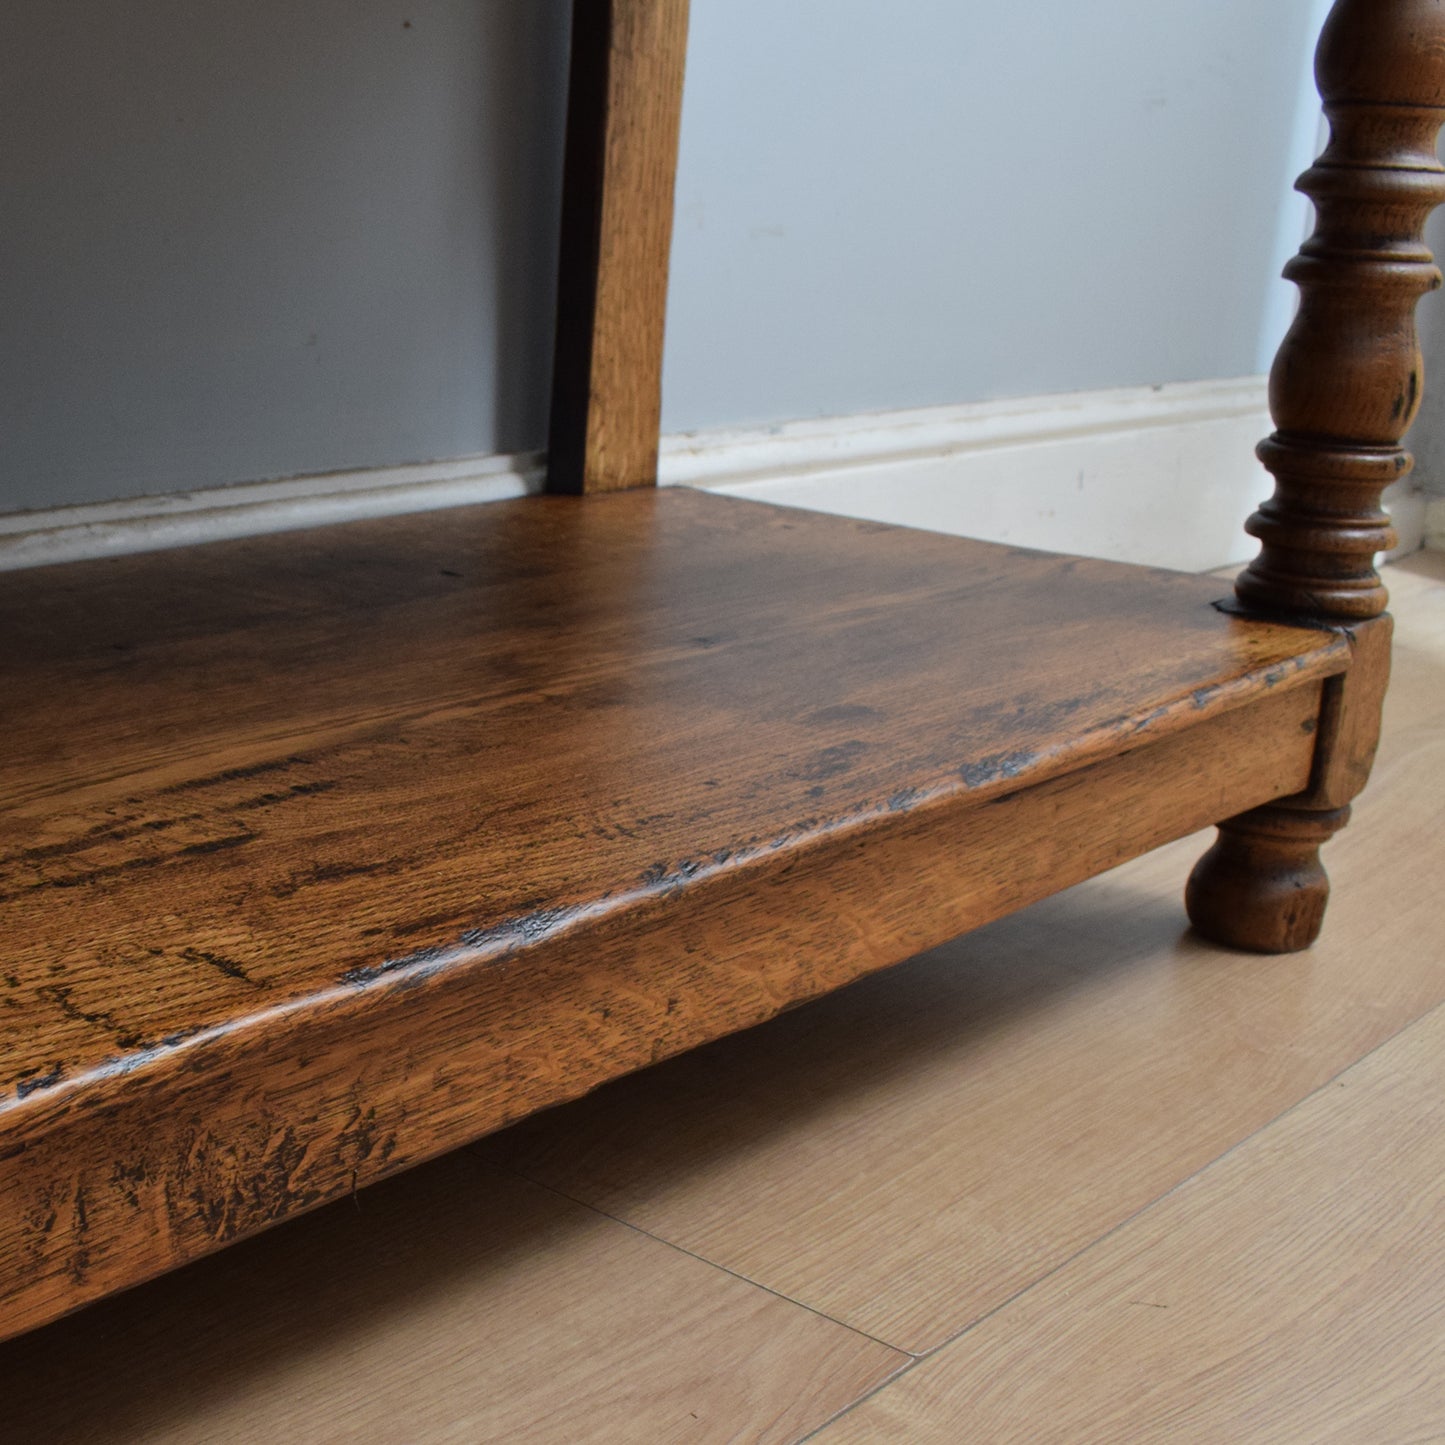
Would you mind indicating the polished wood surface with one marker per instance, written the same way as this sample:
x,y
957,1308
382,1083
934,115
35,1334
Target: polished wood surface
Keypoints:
x,y
328,851
1014,1096
324,854
1348,378
623,112
1345,386
908,1154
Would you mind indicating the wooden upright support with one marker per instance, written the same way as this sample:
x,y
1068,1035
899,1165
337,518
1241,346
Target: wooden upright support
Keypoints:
x,y
1344,388
624,108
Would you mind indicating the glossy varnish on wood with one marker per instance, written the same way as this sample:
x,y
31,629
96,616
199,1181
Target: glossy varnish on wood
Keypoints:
x,y
326,852
1348,378
1010,1098
1343,391
908,1154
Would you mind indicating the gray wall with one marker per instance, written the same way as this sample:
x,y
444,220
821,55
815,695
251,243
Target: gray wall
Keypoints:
x,y
255,240
886,205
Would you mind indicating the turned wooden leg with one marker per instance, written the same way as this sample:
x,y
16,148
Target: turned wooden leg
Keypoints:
x,y
1343,392
1262,885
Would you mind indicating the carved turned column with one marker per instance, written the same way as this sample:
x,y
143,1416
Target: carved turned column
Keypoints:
x,y
1343,391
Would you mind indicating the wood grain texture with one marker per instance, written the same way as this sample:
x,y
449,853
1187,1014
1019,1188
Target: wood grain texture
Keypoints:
x,y
452,1305
913,1150
287,956
441,1303
1262,885
623,112
1293,1291
1350,721
1344,388
1347,381
327,852
910,1152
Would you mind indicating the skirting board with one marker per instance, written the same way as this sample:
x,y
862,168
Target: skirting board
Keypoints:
x,y
249,509
1160,475
1435,522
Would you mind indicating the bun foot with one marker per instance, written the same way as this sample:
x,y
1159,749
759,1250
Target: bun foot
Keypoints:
x,y
1261,886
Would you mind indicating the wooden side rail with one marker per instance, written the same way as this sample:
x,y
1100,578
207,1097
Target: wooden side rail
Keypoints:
x,y
1343,391
623,111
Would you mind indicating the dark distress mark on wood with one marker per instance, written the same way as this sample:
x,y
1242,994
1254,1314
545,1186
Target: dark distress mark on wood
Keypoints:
x,y
478,923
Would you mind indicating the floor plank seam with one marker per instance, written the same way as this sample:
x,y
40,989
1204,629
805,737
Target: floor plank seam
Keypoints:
x,y
911,1364
1124,1223
905,1355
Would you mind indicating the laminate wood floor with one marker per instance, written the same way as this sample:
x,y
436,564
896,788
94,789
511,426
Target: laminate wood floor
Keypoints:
x,y
1076,1176
1293,1291
452,1304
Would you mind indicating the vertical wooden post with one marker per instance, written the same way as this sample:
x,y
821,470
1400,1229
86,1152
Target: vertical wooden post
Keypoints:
x,y
623,113
1343,391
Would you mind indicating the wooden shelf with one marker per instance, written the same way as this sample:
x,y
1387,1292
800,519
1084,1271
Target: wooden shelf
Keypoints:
x,y
328,851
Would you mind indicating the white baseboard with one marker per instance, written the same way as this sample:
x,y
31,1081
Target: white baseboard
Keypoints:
x,y
1408,507
1435,522
1160,475
249,509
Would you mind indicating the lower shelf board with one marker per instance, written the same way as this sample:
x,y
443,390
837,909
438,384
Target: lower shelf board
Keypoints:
x,y
326,852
